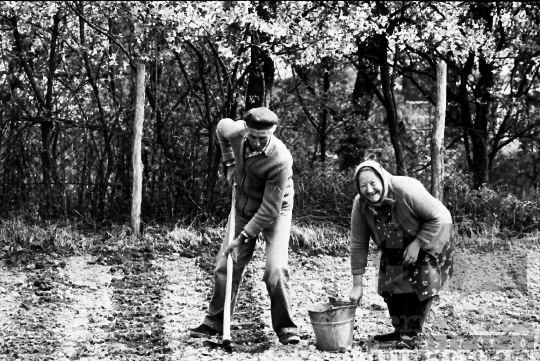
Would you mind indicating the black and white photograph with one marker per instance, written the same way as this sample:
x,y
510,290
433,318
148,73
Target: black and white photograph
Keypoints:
x,y
269,180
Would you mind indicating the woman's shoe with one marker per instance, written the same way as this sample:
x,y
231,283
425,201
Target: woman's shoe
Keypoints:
x,y
289,338
392,336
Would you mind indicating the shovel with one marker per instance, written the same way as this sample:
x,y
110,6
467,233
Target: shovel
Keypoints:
x,y
229,234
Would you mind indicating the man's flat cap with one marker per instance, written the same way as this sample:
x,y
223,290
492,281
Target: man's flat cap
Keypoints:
x,y
261,118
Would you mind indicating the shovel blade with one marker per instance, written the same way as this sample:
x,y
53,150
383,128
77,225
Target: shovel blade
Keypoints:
x,y
226,345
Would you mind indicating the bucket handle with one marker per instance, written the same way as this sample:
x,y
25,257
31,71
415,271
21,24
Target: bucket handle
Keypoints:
x,y
333,310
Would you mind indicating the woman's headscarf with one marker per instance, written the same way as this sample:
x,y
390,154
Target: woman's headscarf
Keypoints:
x,y
384,177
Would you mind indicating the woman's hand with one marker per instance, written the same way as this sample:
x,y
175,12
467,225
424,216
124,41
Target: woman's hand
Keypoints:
x,y
355,296
411,253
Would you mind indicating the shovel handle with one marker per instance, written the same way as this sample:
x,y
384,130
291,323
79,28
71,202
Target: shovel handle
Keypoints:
x,y
228,288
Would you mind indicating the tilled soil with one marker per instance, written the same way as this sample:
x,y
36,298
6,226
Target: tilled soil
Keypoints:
x,y
139,305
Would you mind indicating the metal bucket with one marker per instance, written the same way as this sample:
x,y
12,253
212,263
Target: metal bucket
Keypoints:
x,y
333,323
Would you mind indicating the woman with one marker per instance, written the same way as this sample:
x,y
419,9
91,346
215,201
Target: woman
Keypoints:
x,y
413,230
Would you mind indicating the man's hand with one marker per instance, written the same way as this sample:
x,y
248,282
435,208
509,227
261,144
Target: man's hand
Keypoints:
x,y
232,248
231,175
411,253
230,172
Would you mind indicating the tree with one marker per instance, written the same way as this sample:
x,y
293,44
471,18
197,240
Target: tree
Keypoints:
x,y
320,120
136,194
262,68
491,70
67,87
437,137
40,109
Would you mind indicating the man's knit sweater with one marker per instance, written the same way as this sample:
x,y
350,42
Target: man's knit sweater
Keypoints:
x,y
264,181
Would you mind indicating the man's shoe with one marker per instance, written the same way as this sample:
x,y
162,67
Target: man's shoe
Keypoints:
x,y
392,336
289,339
408,343
203,331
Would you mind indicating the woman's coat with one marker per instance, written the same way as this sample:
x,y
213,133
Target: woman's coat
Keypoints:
x,y
414,214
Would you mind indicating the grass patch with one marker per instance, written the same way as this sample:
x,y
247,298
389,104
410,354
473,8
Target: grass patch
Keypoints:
x,y
19,233
320,239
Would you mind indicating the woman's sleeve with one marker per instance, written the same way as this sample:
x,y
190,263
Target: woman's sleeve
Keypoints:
x,y
359,242
436,228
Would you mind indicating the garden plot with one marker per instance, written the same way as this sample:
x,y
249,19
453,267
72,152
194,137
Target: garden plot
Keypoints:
x,y
140,305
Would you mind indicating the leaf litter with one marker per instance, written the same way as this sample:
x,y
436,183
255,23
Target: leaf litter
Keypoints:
x,y
138,304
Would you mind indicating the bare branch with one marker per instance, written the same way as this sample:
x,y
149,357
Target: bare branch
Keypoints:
x,y
104,33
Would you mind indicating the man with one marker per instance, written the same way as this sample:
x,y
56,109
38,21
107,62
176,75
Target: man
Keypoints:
x,y
261,166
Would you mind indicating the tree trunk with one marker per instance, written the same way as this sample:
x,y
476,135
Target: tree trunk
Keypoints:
x,y
477,130
389,104
261,77
82,179
323,136
480,147
480,159
361,97
104,176
212,158
324,116
260,80
437,135
136,195
47,164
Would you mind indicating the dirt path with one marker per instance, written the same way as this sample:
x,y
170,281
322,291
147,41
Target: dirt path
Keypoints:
x,y
90,301
141,306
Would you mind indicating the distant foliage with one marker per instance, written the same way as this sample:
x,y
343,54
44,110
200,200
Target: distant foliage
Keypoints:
x,y
492,212
67,73
324,196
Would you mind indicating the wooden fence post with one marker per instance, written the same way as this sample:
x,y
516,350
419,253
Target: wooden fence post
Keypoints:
x,y
437,135
136,194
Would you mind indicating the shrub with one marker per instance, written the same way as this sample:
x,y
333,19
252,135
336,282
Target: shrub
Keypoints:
x,y
492,212
324,196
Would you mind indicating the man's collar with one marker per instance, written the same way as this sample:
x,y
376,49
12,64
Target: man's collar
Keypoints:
x,y
268,148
